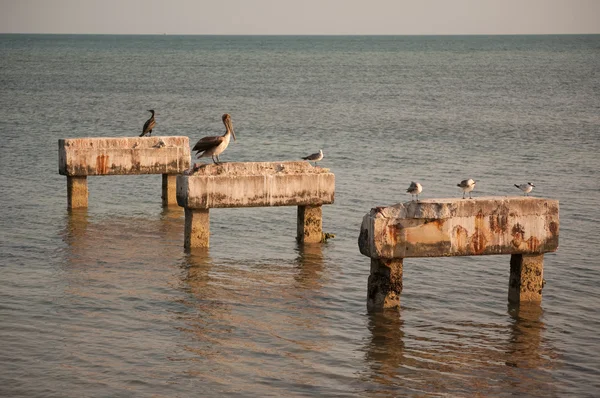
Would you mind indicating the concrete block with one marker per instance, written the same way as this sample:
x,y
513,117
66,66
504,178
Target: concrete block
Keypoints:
x,y
526,278
77,192
461,227
123,155
310,224
197,228
169,190
255,184
385,283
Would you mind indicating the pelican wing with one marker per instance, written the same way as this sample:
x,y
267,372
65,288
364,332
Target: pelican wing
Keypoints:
x,y
208,142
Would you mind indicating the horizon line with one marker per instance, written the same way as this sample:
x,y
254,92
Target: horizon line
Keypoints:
x,y
301,34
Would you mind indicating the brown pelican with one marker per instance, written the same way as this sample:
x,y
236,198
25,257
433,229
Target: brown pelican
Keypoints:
x,y
415,189
467,186
214,146
315,157
526,188
149,125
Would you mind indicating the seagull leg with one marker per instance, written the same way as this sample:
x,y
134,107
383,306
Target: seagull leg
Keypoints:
x,y
417,197
463,194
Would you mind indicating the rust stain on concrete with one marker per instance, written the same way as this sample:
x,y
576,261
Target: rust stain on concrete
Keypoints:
x,y
533,244
499,220
518,233
478,242
553,227
461,236
101,164
394,232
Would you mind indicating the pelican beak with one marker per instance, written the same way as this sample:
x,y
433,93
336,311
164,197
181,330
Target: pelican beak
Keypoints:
x,y
231,128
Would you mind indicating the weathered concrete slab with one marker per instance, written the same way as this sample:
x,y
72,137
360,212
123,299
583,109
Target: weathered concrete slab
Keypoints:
x,y
254,184
461,227
123,155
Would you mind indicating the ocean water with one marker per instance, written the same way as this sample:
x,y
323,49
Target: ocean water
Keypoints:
x,y
106,302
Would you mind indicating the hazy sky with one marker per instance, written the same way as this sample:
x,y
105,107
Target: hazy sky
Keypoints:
x,y
300,16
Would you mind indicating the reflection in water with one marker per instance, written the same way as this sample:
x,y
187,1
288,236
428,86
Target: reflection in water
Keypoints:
x,y
526,351
310,266
117,297
528,348
244,315
76,222
525,337
385,351
475,355
171,225
198,264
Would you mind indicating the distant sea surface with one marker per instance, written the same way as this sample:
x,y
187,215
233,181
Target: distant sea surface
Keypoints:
x,y
106,302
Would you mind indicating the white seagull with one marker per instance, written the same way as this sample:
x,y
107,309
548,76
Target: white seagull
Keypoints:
x,y
214,146
526,188
315,157
467,186
415,189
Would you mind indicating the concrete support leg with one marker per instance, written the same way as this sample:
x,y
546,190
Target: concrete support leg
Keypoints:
x,y
197,228
77,192
385,283
169,190
526,278
310,224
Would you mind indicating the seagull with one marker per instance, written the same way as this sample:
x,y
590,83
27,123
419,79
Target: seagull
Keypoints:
x,y
214,146
315,157
149,125
526,188
467,186
415,189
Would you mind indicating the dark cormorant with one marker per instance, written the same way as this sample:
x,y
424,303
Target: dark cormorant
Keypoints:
x,y
149,125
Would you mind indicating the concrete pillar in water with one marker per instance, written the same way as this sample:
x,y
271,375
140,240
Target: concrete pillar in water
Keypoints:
x,y
79,158
524,227
385,283
77,192
310,224
256,184
526,278
169,190
197,228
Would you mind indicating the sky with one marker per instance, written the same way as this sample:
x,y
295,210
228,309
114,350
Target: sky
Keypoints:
x,y
303,17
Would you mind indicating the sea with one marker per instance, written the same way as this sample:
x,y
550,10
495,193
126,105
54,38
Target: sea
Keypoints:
x,y
105,301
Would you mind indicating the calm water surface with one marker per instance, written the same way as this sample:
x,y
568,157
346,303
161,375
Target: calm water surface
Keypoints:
x,y
105,302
